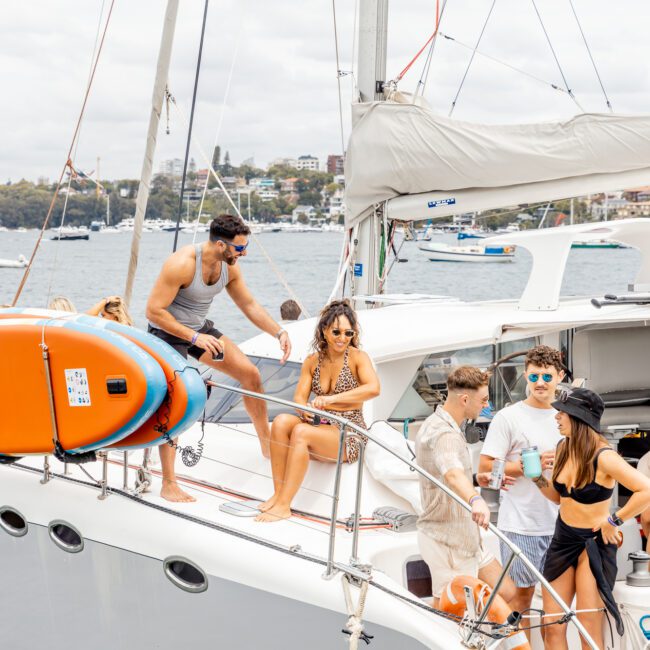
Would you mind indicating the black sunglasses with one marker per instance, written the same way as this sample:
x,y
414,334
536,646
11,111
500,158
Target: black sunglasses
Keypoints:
x,y
348,333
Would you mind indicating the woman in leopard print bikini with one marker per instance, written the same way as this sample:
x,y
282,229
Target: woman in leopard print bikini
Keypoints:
x,y
341,377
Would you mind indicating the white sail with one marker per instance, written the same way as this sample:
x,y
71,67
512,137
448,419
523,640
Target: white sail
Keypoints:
x,y
440,167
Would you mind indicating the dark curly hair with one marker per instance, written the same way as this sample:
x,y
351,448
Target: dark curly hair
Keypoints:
x,y
544,356
227,226
328,316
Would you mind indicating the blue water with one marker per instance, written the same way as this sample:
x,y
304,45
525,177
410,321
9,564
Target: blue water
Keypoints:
x,y
86,271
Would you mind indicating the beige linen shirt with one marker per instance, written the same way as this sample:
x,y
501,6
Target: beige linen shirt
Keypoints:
x,y
440,446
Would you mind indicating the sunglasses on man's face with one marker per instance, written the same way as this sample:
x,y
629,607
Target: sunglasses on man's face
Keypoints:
x,y
534,377
338,332
239,248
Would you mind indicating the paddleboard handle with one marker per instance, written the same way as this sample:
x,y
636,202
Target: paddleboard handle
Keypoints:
x,y
50,393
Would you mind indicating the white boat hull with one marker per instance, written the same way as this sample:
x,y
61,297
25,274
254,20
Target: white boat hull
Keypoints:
x,y
476,254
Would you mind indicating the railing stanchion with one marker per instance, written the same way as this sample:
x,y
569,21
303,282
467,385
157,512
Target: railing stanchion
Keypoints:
x,y
125,484
329,572
357,502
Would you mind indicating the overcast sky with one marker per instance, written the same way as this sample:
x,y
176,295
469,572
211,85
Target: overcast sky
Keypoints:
x,y
283,97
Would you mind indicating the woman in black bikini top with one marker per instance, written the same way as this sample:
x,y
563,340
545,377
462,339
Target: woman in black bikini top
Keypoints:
x,y
341,377
581,559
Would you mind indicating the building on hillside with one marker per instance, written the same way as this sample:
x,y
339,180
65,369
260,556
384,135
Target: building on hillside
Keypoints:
x,y
607,208
308,162
261,183
267,194
172,167
202,176
288,184
339,179
636,209
335,164
308,211
638,194
284,162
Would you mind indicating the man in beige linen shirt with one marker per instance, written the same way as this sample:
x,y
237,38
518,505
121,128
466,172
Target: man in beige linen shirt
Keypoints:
x,y
448,535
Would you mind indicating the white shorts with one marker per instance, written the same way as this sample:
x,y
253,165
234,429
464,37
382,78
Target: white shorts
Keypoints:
x,y
445,562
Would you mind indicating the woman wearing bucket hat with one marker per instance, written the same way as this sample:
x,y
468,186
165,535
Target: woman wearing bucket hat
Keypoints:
x,y
581,559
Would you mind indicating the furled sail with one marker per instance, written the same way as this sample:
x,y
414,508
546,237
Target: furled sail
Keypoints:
x,y
431,166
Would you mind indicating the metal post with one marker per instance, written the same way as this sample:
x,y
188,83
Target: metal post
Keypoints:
x,y
46,470
104,482
476,627
357,503
329,572
125,484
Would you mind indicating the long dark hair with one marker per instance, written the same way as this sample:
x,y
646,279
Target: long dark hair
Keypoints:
x,y
580,447
329,315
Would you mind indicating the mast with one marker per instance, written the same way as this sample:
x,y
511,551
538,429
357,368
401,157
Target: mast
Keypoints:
x,y
160,83
373,34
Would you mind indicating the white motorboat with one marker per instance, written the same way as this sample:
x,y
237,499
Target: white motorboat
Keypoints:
x,y
478,253
19,263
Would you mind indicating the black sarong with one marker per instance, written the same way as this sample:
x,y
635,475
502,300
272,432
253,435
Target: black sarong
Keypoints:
x,y
565,549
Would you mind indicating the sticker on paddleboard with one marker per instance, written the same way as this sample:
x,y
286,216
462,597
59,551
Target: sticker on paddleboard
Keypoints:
x,y
76,381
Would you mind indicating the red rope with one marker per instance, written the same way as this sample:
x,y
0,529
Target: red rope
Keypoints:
x,y
417,56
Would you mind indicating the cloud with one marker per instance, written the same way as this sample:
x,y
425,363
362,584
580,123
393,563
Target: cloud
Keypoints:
x,y
283,96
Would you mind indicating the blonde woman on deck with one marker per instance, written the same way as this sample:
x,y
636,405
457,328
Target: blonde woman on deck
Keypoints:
x,y
112,308
341,377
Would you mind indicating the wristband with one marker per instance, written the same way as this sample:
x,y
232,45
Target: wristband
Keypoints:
x,y
194,337
472,499
280,333
475,480
615,521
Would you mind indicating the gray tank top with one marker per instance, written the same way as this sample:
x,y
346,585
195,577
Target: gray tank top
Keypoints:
x,y
191,304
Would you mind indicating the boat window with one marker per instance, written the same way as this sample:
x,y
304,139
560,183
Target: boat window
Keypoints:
x,y
185,574
12,521
429,386
66,536
508,383
278,380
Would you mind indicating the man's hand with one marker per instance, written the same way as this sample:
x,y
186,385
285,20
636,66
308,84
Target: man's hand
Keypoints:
x,y
481,513
285,346
483,479
547,459
210,344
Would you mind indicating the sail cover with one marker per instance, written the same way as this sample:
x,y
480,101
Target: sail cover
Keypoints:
x,y
439,167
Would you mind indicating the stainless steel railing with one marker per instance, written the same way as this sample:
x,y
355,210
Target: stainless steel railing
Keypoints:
x,y
344,425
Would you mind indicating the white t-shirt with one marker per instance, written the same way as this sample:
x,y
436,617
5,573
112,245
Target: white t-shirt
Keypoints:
x,y
523,508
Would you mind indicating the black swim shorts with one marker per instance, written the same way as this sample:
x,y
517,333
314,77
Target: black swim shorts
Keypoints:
x,y
184,347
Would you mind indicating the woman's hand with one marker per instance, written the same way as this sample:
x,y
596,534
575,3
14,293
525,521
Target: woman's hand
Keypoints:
x,y
323,401
611,534
483,479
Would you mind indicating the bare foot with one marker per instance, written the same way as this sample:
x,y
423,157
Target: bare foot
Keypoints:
x,y
268,504
172,492
276,513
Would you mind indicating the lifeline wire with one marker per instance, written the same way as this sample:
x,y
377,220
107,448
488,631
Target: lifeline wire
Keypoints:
x,y
67,162
338,76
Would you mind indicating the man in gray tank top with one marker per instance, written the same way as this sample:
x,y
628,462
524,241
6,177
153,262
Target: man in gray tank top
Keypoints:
x,y
177,308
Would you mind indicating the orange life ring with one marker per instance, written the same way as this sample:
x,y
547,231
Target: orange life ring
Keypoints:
x,y
452,601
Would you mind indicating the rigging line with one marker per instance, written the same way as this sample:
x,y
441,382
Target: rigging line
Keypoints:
x,y
469,65
507,65
338,77
417,56
584,38
58,242
429,60
67,162
354,47
189,129
548,40
217,136
273,266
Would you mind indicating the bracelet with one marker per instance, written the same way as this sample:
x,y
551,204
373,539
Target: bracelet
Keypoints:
x,y
280,333
475,480
194,337
614,521
472,499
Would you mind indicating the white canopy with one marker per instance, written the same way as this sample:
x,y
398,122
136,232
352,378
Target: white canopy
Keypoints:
x,y
440,167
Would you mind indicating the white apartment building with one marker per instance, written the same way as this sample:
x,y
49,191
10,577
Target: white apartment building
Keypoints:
x,y
172,167
308,162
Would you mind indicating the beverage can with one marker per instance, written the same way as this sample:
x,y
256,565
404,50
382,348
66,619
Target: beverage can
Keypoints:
x,y
498,472
532,462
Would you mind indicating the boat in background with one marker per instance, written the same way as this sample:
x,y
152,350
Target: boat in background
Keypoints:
x,y
70,233
598,243
20,263
446,253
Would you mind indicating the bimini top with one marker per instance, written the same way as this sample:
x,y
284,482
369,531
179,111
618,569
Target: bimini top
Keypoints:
x,y
439,167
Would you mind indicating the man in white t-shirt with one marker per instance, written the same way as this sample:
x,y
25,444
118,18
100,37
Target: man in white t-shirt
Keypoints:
x,y
644,467
526,517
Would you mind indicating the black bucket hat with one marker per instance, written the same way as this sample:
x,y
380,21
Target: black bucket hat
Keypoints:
x,y
582,404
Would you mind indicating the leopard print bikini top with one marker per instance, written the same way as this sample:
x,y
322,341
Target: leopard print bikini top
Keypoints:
x,y
345,381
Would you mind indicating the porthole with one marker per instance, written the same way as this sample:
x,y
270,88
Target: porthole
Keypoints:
x,y
185,574
12,521
65,536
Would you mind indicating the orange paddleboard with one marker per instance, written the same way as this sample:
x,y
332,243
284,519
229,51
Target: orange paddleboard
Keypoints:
x,y
104,387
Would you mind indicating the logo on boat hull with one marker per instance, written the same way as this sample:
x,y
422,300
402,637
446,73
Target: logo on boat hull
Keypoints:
x,y
435,204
